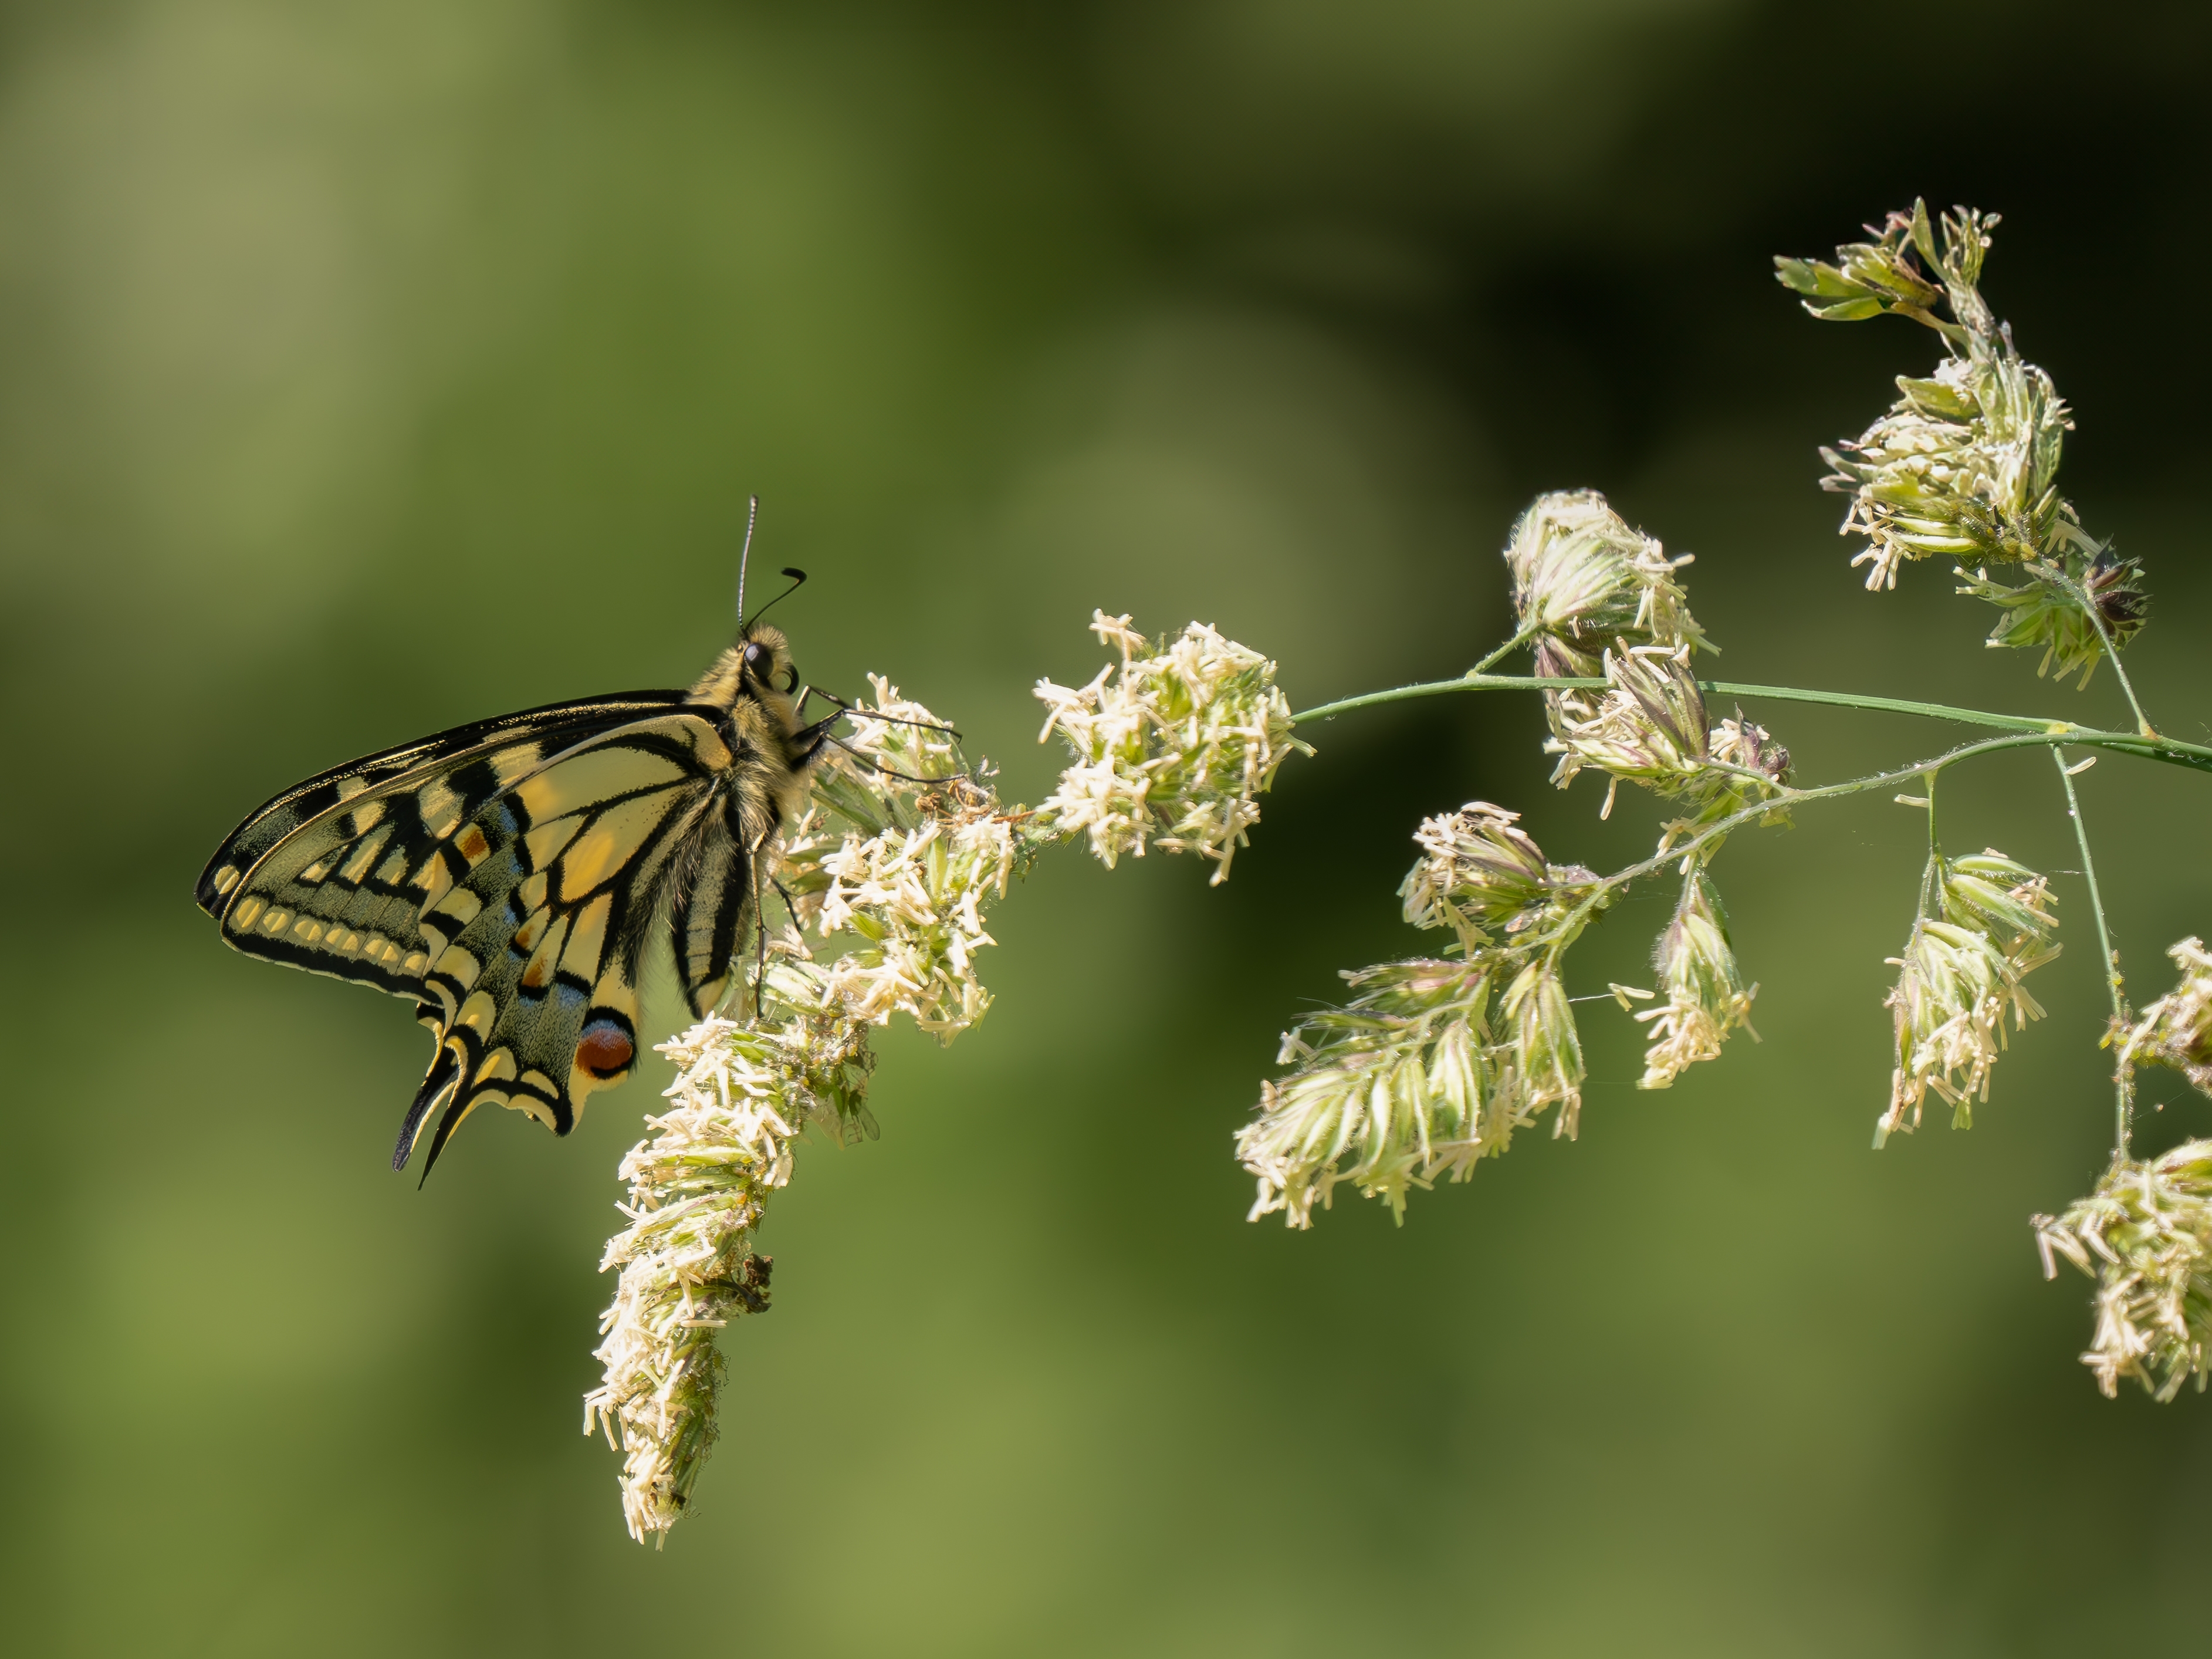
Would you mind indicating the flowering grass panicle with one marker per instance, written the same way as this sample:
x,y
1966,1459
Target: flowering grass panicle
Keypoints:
x,y
2176,1031
1172,750
1706,997
2145,1235
698,1186
1961,974
1413,1078
901,848
1965,465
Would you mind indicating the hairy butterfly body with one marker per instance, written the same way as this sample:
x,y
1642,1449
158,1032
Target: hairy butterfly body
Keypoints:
x,y
508,876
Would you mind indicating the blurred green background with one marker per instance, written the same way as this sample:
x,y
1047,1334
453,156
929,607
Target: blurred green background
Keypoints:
x,y
365,369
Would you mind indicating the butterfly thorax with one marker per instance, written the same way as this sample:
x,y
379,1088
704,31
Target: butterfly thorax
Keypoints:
x,y
751,684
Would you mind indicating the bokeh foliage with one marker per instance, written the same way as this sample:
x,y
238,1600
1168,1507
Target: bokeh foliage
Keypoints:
x,y
366,369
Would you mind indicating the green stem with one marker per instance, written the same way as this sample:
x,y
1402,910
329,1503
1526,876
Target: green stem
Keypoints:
x,y
2088,601
2146,746
1789,797
2123,1104
1504,650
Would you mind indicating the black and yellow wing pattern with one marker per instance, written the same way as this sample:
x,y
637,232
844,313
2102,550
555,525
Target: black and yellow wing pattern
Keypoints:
x,y
504,876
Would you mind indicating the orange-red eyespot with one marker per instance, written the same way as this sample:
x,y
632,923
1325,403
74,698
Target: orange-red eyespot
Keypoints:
x,y
606,1048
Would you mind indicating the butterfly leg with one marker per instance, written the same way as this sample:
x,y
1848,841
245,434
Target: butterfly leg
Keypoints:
x,y
760,931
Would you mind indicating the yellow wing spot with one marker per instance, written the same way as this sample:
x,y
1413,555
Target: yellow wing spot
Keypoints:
x,y
532,892
498,1068
533,929
538,973
461,904
308,928
508,764
478,1013
242,917
593,775
364,819
349,788
439,806
226,878
435,880
460,966
587,938
537,1108
471,845
393,867
548,839
275,920
415,963
613,840
364,855
346,946
315,872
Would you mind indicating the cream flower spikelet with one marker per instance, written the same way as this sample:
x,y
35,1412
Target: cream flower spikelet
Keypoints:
x,y
1706,997
2176,1031
904,889
1172,750
697,1188
1960,976
2145,1235
1585,581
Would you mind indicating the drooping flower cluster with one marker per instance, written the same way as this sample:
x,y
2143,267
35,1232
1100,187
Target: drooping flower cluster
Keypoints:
x,y
2145,1235
697,1188
1171,751
1598,599
1706,997
1434,1064
902,847
2176,1031
1985,924
1965,465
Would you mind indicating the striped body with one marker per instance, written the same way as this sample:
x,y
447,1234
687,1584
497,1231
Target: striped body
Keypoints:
x,y
507,877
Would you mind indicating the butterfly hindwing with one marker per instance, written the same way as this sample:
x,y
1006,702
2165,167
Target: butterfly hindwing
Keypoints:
x,y
533,951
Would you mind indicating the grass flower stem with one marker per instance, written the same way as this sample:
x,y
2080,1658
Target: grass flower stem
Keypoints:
x,y
1604,892
2123,1085
2147,746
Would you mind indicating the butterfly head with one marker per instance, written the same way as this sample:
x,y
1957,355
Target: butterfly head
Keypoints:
x,y
764,661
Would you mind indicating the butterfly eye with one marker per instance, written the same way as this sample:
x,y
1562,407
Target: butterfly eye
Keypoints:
x,y
756,656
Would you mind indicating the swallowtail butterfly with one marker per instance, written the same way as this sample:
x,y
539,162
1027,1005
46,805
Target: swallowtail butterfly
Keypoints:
x,y
508,876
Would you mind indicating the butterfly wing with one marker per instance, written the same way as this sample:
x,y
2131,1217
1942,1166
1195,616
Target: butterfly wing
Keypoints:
x,y
504,876
329,875
534,948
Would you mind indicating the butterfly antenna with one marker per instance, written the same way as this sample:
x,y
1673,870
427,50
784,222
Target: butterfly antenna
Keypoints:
x,y
798,580
752,517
